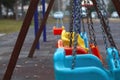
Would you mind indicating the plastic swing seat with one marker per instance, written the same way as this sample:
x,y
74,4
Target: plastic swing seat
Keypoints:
x,y
68,50
113,58
95,51
80,50
87,67
83,40
57,31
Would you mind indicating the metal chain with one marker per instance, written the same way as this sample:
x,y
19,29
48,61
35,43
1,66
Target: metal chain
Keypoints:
x,y
106,28
59,22
77,16
102,4
83,25
71,21
108,31
104,37
77,25
82,20
115,59
103,31
90,27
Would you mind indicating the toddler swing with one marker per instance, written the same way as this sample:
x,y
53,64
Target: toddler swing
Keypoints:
x,y
85,66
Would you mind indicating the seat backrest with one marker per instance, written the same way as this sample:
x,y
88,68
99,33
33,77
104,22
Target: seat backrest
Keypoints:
x,y
83,60
88,67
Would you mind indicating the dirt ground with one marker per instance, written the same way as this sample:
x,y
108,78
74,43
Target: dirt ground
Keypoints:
x,y
40,67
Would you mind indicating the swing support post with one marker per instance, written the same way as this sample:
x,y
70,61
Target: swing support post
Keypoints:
x,y
117,5
43,14
20,40
41,28
36,24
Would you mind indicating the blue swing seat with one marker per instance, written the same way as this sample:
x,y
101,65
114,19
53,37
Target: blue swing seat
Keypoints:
x,y
87,67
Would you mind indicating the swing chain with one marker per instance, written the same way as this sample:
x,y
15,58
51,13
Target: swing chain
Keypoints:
x,y
77,16
83,25
115,59
71,22
104,37
76,25
102,4
91,28
108,31
106,24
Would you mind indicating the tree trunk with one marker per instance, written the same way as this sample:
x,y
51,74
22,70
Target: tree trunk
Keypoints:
x,y
0,9
22,9
7,12
16,10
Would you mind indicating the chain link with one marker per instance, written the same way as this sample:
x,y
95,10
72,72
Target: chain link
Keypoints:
x,y
77,26
71,21
104,38
106,28
105,24
83,25
115,59
90,27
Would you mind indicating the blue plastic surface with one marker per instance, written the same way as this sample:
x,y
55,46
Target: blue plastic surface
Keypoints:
x,y
114,62
85,38
88,67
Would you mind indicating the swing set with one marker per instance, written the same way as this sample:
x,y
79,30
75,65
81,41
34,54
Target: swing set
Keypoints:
x,y
57,29
77,65
74,66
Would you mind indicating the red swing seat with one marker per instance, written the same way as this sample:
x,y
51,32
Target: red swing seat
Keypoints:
x,y
57,31
95,51
68,50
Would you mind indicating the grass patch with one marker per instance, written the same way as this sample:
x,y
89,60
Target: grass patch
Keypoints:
x,y
9,25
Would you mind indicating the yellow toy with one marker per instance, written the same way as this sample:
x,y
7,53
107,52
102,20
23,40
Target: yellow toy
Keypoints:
x,y
65,36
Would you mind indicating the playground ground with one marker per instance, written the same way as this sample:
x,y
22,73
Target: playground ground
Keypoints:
x,y
40,67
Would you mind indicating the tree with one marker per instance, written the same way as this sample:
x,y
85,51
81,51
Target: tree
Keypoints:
x,y
111,7
9,4
0,9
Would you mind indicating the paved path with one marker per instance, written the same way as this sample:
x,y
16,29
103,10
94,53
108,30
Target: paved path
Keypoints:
x,y
41,66
2,34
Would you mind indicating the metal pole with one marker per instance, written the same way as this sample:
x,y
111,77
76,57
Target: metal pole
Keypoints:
x,y
36,25
41,28
43,14
20,40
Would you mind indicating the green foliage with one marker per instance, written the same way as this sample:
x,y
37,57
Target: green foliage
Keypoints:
x,y
111,7
0,10
8,3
